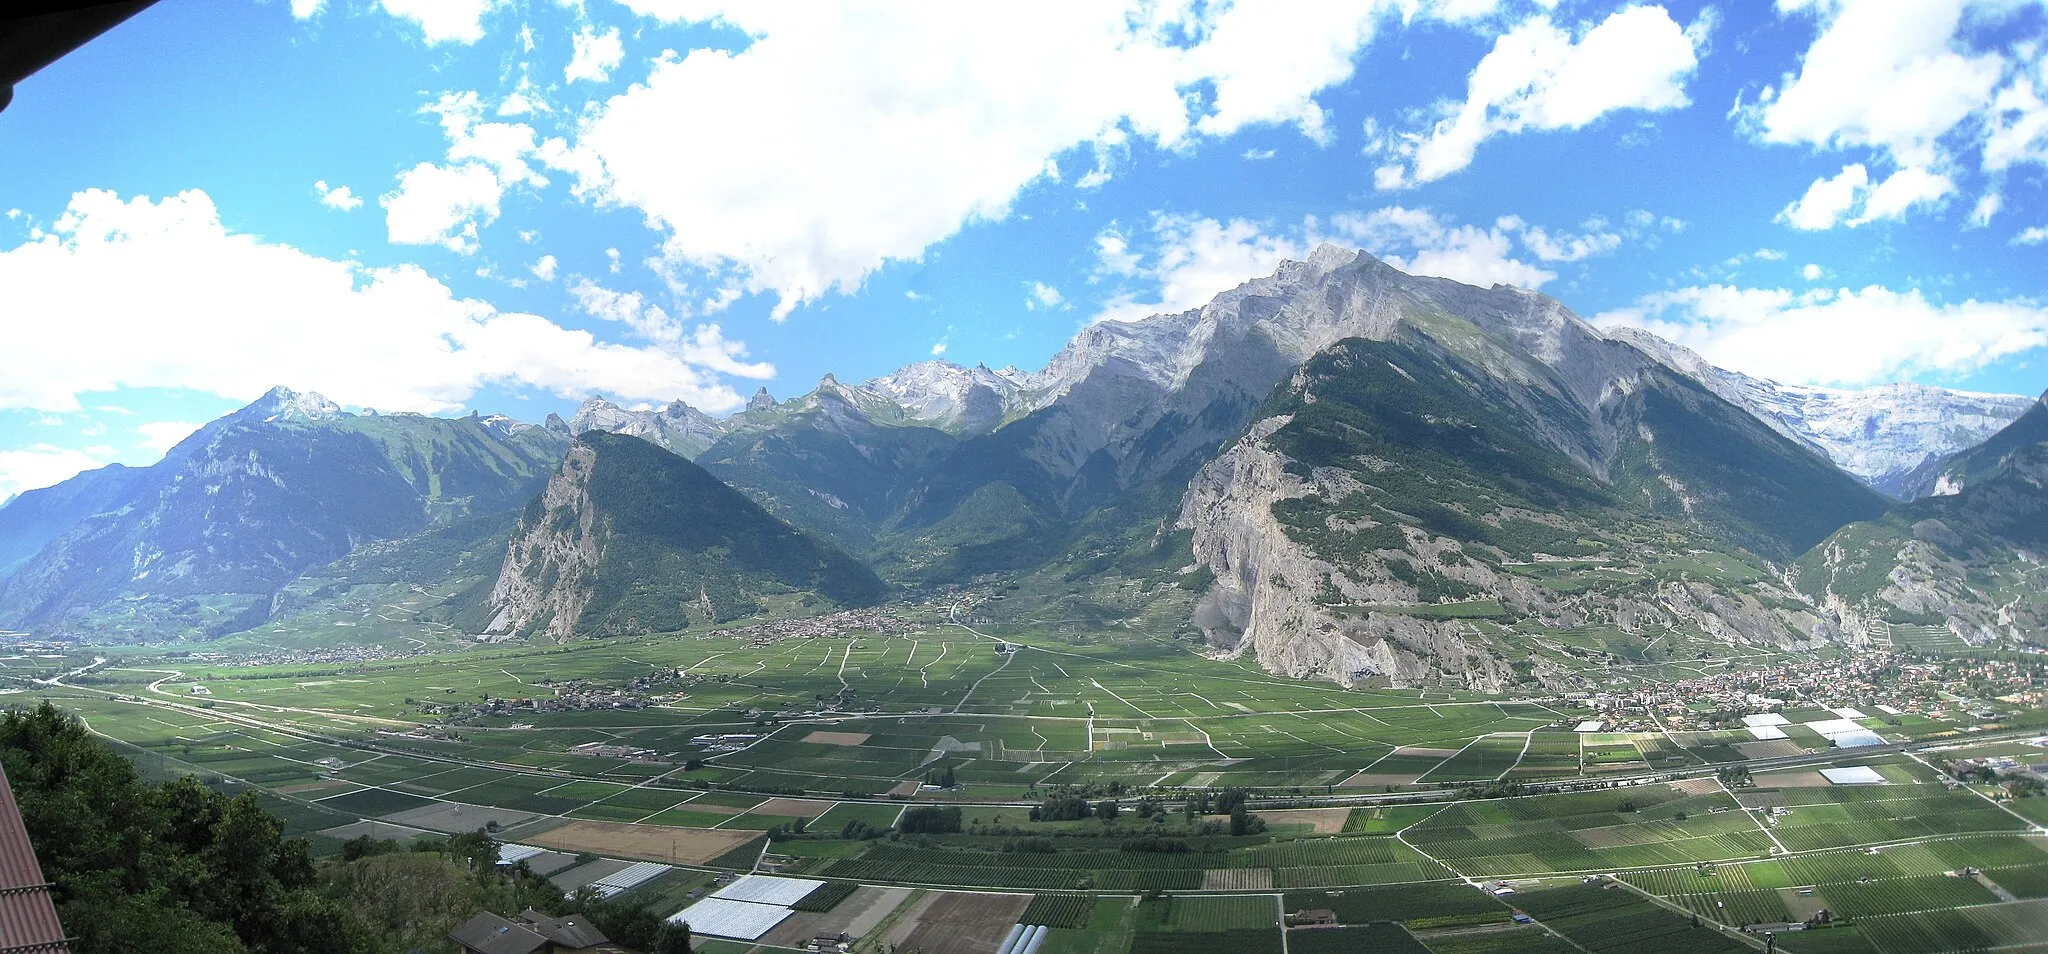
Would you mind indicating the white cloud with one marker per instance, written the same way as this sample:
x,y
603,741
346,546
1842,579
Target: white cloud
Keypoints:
x,y
305,9
41,465
1564,248
704,346
1416,241
1880,74
1908,84
1192,260
1538,77
1257,155
443,21
2018,127
848,139
441,205
939,348
1113,253
1040,295
339,197
448,204
544,269
1833,201
1845,336
143,293
612,255
1828,201
161,436
596,55
1905,189
1812,272
1987,206
2031,236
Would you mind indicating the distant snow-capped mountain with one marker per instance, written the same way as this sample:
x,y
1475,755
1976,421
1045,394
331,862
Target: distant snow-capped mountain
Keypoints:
x,y
1885,435
950,396
677,426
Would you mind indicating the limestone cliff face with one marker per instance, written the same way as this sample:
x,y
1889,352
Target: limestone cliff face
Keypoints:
x,y
1267,589
554,554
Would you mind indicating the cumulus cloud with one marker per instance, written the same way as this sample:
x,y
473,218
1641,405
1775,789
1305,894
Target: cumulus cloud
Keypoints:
x,y
595,55
448,204
338,197
1192,259
1418,242
545,268
1987,206
40,465
1902,83
1040,295
1850,198
1837,336
1885,75
441,21
1539,77
2018,122
305,9
850,139
143,293
2031,236
441,205
704,346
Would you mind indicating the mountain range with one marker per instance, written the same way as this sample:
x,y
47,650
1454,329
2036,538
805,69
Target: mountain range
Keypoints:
x,y
1341,470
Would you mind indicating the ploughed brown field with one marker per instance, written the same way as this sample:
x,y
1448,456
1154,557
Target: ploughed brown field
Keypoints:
x,y
690,846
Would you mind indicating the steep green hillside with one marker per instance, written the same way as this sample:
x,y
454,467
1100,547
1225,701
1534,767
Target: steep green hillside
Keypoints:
x,y
1699,459
1398,514
1969,560
836,462
200,543
30,521
629,538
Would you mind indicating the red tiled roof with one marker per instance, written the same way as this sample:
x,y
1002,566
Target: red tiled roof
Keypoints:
x,y
28,918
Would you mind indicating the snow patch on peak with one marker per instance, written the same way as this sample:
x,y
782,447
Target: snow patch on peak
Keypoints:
x,y
1882,434
949,395
282,404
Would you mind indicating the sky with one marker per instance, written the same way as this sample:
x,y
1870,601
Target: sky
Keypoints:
x,y
437,206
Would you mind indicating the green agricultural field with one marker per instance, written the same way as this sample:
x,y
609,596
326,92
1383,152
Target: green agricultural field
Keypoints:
x,y
1410,795
1610,918
1378,938
1443,904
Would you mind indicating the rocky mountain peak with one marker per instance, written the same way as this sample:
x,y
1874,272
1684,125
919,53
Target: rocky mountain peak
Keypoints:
x,y
761,401
948,395
282,404
677,426
1891,436
501,425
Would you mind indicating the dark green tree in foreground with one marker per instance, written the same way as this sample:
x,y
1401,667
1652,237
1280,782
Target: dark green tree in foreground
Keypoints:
x,y
173,868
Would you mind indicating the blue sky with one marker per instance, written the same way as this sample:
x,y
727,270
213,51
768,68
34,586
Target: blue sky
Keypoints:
x,y
439,205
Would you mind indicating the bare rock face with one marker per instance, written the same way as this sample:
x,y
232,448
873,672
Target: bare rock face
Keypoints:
x,y
1265,598
677,427
946,395
536,593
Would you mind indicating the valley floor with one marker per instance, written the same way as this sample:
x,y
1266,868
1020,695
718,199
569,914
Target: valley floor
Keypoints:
x,y
652,767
